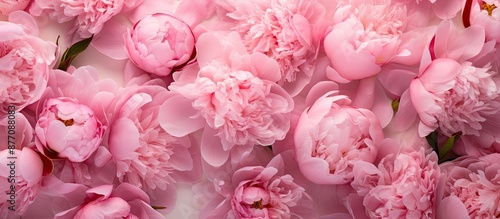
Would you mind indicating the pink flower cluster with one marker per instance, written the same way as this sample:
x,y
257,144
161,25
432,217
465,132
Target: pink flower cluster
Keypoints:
x,y
263,108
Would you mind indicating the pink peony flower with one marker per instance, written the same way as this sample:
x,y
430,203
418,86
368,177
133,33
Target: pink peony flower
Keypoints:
x,y
9,6
287,31
25,61
475,183
367,35
67,129
145,155
485,13
21,174
124,201
331,136
403,186
455,97
233,95
89,16
159,43
258,192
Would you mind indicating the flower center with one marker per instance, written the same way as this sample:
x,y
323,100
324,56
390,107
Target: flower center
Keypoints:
x,y
489,8
69,122
257,204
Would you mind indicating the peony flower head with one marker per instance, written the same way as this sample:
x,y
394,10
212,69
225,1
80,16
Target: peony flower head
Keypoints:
x,y
21,170
404,186
485,13
145,155
331,136
25,61
454,97
234,95
367,35
159,43
89,16
67,129
259,192
124,201
475,183
287,31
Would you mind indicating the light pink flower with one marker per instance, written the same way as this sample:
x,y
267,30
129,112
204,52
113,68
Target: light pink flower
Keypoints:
x,y
124,201
455,97
233,95
25,61
485,13
258,192
331,136
159,43
145,155
287,31
21,180
8,6
88,16
403,186
369,34
67,129
475,183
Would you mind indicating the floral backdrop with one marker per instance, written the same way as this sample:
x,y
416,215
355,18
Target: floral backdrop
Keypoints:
x,y
249,109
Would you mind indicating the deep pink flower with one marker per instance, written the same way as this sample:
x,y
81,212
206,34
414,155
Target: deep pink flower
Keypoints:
x,y
331,136
102,202
67,129
287,31
233,95
403,186
160,42
258,192
25,61
475,183
145,155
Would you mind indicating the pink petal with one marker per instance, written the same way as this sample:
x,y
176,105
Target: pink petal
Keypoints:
x,y
123,139
452,207
211,148
110,40
178,118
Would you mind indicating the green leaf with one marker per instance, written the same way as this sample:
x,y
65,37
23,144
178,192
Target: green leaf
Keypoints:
x,y
448,145
432,139
70,54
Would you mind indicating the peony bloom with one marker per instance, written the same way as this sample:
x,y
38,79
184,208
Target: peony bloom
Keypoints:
x,y
403,186
25,61
24,172
287,31
367,35
259,192
485,13
455,98
159,43
145,155
331,136
233,95
475,182
89,16
124,201
67,129
9,6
